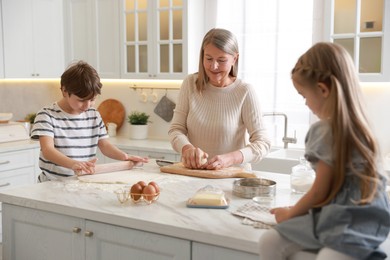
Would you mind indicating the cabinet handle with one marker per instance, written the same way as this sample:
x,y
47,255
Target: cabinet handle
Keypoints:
x,y
88,233
5,184
5,162
76,230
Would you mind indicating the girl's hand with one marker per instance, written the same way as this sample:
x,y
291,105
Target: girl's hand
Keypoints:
x,y
281,214
87,167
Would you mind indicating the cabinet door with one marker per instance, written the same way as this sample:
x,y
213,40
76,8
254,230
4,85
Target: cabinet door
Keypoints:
x,y
203,251
34,235
154,39
93,34
361,28
113,242
33,38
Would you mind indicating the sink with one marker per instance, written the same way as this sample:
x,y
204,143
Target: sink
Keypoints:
x,y
280,161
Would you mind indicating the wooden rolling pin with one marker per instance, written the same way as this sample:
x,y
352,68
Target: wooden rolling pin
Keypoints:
x,y
111,167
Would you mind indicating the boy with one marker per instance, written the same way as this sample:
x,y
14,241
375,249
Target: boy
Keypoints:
x,y
70,130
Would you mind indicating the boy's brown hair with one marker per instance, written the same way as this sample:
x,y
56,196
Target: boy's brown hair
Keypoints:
x,y
82,80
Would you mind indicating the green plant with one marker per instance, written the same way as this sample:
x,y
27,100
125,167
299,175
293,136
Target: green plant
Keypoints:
x,y
138,118
30,117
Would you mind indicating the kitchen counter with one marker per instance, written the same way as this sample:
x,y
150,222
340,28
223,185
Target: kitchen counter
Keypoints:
x,y
18,145
168,216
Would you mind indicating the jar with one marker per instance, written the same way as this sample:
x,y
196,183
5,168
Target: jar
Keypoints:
x,y
111,129
302,176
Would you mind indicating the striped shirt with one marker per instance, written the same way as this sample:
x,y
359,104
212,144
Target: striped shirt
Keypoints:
x,y
76,136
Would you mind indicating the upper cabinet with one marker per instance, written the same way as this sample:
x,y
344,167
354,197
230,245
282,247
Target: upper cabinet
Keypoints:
x,y
33,40
154,38
363,28
92,30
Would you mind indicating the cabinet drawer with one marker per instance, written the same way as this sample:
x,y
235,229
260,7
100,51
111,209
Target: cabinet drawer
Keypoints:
x,y
18,159
13,178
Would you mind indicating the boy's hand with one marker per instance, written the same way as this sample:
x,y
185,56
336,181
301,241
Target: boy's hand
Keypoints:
x,y
138,160
81,168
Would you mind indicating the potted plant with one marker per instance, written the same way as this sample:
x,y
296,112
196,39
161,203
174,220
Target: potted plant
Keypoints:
x,y
138,124
30,118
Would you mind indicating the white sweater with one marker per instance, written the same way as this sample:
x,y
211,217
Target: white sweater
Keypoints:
x,y
219,120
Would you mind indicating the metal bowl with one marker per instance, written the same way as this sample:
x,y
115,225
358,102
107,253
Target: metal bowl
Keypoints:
x,y
253,187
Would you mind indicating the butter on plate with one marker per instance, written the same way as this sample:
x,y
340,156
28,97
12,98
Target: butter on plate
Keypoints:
x,y
208,197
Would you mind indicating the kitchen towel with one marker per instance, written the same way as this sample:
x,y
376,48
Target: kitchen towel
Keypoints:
x,y
165,108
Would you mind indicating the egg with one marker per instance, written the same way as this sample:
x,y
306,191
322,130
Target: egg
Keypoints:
x,y
142,183
136,191
155,186
149,192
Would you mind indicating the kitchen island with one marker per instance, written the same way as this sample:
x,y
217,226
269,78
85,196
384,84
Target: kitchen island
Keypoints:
x,y
79,220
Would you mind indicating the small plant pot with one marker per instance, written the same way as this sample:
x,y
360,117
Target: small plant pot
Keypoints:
x,y
139,132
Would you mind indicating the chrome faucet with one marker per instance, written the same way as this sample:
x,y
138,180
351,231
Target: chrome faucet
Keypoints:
x,y
286,140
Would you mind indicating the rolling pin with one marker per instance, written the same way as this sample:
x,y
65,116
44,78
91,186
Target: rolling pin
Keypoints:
x,y
111,167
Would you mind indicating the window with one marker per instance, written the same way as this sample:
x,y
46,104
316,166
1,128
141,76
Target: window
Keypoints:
x,y
271,35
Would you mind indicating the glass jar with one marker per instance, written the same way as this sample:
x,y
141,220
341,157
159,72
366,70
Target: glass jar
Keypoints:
x,y
302,176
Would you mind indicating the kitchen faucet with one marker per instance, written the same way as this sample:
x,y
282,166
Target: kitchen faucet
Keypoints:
x,y
286,140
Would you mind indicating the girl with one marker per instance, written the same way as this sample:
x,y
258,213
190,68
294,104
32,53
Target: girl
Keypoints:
x,y
345,215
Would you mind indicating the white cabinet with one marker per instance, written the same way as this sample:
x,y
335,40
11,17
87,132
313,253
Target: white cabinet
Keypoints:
x,y
17,168
157,38
1,45
34,234
363,28
202,251
92,34
33,38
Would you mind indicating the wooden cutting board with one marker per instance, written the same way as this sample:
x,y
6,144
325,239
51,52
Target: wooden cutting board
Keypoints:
x,y
230,172
112,111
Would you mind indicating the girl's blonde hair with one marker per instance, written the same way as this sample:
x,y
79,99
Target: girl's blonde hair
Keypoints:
x,y
331,64
223,40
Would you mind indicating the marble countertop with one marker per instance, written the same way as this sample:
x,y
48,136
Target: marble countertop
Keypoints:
x,y
18,145
167,216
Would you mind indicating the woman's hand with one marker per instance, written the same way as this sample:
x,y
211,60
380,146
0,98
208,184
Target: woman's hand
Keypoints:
x,y
193,158
224,160
281,214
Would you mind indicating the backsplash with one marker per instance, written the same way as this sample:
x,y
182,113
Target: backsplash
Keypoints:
x,y
27,96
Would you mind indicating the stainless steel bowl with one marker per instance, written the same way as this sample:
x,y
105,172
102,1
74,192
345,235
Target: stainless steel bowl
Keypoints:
x,y
253,187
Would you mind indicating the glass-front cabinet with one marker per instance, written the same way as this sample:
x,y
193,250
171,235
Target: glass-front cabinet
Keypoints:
x,y
154,39
362,27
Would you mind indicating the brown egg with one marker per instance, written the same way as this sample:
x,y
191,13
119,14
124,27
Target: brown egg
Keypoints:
x,y
142,183
136,191
149,192
155,186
